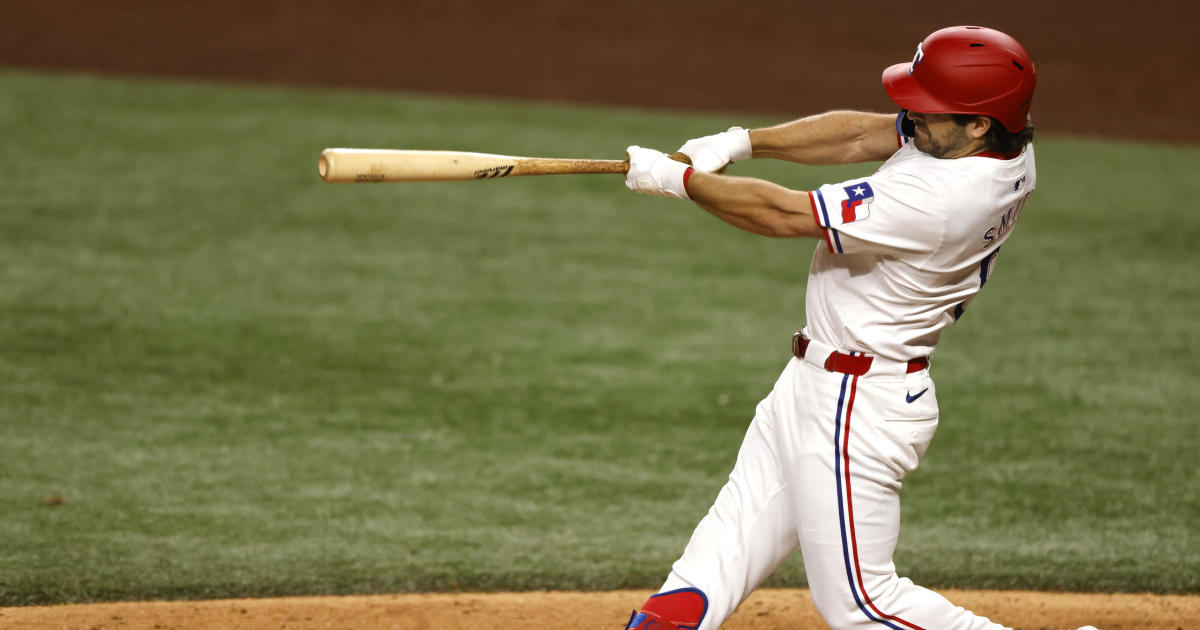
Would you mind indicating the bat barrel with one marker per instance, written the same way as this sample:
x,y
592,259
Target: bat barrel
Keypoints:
x,y
393,165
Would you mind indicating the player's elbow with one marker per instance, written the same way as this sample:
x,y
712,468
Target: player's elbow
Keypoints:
x,y
791,216
874,139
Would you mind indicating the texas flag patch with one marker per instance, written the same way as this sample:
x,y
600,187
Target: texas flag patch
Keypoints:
x,y
857,205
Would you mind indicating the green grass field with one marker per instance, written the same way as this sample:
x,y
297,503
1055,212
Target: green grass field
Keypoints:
x,y
247,382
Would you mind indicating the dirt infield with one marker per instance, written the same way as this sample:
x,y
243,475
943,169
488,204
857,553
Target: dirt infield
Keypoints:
x,y
765,610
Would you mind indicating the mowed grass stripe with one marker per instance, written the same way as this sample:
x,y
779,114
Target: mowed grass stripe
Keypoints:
x,y
248,382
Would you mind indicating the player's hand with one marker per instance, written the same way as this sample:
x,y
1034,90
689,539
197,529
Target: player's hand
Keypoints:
x,y
713,153
654,173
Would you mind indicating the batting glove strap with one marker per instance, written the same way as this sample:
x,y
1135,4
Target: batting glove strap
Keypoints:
x,y
653,173
713,153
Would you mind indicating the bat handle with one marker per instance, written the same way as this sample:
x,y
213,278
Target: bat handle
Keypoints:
x,y
683,157
678,157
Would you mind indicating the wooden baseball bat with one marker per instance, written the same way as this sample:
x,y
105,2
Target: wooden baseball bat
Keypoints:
x,y
392,165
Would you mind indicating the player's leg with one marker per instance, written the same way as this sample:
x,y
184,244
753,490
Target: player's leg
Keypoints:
x,y
850,519
748,532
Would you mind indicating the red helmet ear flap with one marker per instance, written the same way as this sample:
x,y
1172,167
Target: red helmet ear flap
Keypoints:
x,y
966,70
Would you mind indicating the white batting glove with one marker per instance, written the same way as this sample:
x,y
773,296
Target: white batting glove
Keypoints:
x,y
713,153
653,173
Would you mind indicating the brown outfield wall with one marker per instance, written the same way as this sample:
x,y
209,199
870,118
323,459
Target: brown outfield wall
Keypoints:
x,y
1117,69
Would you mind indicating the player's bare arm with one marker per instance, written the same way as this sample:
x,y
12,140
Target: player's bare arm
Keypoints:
x,y
837,137
754,205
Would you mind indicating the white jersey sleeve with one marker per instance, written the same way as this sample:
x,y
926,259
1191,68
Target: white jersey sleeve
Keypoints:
x,y
894,213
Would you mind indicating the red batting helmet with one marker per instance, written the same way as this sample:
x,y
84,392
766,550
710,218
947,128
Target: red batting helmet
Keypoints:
x,y
966,70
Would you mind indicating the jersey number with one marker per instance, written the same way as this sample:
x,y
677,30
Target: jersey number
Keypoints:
x,y
985,272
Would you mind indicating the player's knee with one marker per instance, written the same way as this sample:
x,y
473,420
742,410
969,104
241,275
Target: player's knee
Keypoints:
x,y
681,609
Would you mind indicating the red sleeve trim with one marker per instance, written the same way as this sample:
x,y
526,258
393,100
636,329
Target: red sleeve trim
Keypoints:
x,y
686,176
812,203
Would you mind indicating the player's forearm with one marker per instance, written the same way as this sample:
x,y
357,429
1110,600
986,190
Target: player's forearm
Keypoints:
x,y
754,205
838,137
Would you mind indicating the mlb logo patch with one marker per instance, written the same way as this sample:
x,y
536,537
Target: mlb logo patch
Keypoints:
x,y
857,205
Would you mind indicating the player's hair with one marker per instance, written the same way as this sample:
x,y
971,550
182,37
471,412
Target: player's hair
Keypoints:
x,y
998,138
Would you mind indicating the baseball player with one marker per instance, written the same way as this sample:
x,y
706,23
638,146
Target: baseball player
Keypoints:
x,y
902,253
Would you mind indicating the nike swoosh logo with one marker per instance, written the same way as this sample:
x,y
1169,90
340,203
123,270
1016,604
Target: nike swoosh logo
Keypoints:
x,y
910,397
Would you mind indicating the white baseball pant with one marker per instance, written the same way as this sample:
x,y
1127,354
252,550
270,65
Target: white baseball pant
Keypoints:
x,y
821,469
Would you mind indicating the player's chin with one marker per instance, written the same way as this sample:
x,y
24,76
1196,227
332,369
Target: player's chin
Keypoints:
x,y
929,147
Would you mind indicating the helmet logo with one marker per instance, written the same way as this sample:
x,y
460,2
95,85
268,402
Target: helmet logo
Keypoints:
x,y
917,58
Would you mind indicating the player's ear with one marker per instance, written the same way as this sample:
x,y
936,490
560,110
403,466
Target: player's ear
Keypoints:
x,y
979,126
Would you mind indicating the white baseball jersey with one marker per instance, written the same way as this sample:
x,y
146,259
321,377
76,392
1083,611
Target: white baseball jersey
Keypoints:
x,y
907,248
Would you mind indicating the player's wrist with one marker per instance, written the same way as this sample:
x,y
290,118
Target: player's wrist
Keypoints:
x,y
672,177
654,173
737,144
713,153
